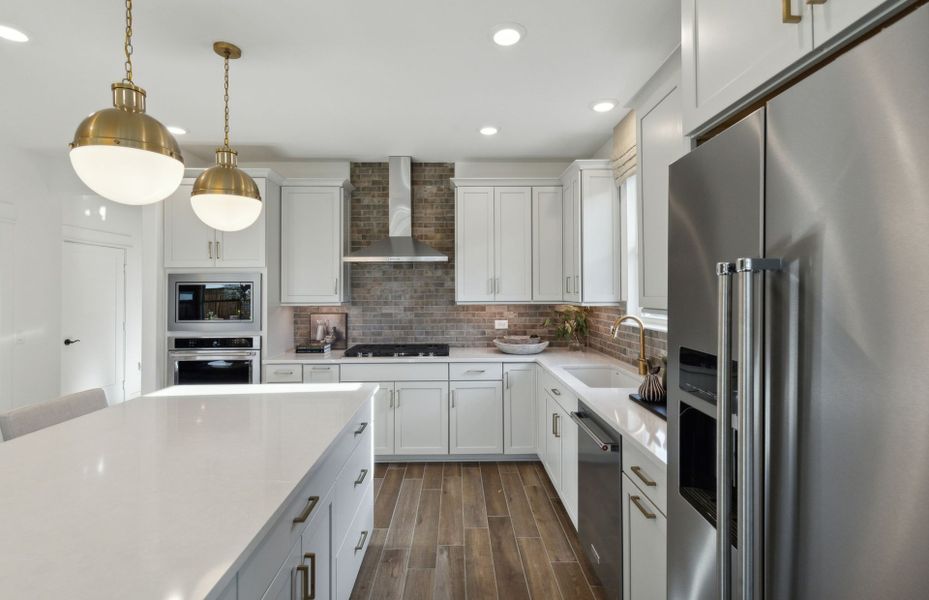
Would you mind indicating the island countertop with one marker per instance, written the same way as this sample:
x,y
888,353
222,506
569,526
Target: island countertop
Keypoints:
x,y
162,496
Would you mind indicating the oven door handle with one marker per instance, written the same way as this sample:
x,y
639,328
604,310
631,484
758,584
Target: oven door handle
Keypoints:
x,y
212,355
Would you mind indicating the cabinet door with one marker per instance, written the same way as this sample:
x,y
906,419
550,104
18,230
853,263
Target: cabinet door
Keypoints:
x,y
311,237
644,546
542,419
316,557
321,374
474,245
519,409
661,142
384,419
571,237
567,430
283,586
720,70
552,460
601,235
833,16
547,281
421,417
513,244
476,417
188,241
245,248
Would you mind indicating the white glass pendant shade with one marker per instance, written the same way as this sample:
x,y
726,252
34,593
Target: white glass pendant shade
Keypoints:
x,y
225,197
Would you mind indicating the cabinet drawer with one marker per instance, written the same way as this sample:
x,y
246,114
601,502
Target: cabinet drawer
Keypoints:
x,y
320,373
396,372
561,393
351,488
475,371
353,548
647,473
283,373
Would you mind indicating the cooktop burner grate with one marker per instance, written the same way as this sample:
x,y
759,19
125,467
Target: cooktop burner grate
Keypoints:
x,y
386,350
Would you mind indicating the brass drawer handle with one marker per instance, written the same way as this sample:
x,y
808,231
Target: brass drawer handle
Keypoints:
x,y
361,541
281,372
361,429
361,477
308,574
321,368
643,476
310,505
787,12
638,504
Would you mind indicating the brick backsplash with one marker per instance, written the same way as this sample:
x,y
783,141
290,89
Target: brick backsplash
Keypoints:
x,y
626,345
415,302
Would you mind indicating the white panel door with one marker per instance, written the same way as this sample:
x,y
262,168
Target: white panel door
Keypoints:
x,y
661,142
519,409
833,16
547,252
421,417
513,244
571,237
384,419
601,237
245,248
474,245
93,317
645,552
567,431
311,235
729,48
476,417
283,586
552,460
7,256
188,241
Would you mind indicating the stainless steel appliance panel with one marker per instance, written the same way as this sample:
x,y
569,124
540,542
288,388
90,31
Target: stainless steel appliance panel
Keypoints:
x,y
848,325
599,520
715,214
214,303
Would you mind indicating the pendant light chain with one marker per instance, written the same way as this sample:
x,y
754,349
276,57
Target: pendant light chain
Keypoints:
x,y
127,45
226,99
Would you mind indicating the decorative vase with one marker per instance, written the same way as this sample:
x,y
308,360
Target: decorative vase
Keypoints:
x,y
576,346
652,388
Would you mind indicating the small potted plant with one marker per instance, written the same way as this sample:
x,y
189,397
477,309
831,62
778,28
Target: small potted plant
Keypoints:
x,y
571,324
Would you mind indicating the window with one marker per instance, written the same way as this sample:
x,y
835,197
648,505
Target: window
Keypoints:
x,y
653,319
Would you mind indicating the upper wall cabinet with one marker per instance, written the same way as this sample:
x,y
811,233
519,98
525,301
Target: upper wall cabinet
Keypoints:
x,y
315,236
591,234
661,142
764,42
189,243
547,259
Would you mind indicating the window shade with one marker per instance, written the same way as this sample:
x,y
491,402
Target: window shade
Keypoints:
x,y
624,149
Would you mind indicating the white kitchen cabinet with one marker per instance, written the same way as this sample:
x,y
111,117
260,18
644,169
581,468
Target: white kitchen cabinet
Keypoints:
x,y
315,224
519,409
645,531
661,142
475,417
493,241
421,417
384,419
320,373
313,572
551,460
283,585
547,252
567,429
592,234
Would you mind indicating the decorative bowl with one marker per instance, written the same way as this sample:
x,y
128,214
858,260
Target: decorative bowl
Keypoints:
x,y
520,344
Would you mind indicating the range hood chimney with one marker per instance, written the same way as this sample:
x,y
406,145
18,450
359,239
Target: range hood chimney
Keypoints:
x,y
400,246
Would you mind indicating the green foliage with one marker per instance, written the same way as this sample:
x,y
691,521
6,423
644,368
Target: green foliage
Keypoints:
x,y
571,324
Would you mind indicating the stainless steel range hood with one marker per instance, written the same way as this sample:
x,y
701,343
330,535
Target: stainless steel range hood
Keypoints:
x,y
400,246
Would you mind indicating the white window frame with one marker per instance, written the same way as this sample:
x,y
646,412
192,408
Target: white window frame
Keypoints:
x,y
656,320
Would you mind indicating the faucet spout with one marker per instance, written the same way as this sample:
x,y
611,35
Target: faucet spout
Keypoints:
x,y
614,330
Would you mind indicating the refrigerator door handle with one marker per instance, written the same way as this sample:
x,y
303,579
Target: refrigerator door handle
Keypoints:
x,y
724,271
750,520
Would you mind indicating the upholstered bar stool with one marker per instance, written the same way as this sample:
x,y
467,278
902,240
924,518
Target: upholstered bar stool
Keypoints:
x,y
31,418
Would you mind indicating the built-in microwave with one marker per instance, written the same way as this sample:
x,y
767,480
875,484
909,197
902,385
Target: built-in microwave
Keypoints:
x,y
214,303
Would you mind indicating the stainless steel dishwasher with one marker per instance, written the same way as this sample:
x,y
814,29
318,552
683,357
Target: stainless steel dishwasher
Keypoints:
x,y
599,518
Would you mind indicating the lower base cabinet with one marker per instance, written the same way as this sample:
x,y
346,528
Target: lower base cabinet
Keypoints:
x,y
519,409
475,417
349,556
645,532
421,417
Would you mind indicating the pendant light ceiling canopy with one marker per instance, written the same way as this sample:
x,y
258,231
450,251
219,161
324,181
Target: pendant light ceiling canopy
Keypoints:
x,y
225,197
123,154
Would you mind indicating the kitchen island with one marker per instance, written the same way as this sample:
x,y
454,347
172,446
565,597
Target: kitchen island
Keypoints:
x,y
191,492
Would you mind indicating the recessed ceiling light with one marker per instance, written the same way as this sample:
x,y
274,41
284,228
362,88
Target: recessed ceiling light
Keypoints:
x,y
603,106
507,34
14,35
176,130
489,130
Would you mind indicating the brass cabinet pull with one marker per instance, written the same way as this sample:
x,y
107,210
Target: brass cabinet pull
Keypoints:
x,y
815,1
217,251
361,477
335,290
452,394
476,371
361,429
567,284
310,505
321,369
308,574
577,284
557,431
638,504
553,423
397,399
209,249
281,372
506,380
641,474
787,12
361,541
390,402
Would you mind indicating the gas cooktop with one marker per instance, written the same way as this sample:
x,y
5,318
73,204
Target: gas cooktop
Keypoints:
x,y
382,350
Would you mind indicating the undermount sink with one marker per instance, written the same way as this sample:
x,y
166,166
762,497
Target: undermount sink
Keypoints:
x,y
603,376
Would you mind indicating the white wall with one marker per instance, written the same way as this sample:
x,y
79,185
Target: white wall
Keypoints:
x,y
605,150
469,169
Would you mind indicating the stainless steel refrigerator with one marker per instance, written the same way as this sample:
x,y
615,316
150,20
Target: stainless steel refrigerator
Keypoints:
x,y
799,305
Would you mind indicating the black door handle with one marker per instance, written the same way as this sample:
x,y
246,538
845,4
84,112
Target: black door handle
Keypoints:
x,y
69,341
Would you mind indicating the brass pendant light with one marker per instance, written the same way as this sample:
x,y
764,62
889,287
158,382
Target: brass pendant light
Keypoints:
x,y
224,196
123,154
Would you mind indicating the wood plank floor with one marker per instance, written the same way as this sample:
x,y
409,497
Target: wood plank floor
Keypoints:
x,y
476,531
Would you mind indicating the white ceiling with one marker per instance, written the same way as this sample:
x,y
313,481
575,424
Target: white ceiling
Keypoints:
x,y
350,79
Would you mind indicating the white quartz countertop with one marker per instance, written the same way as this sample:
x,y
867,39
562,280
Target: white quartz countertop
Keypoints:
x,y
163,496
613,405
